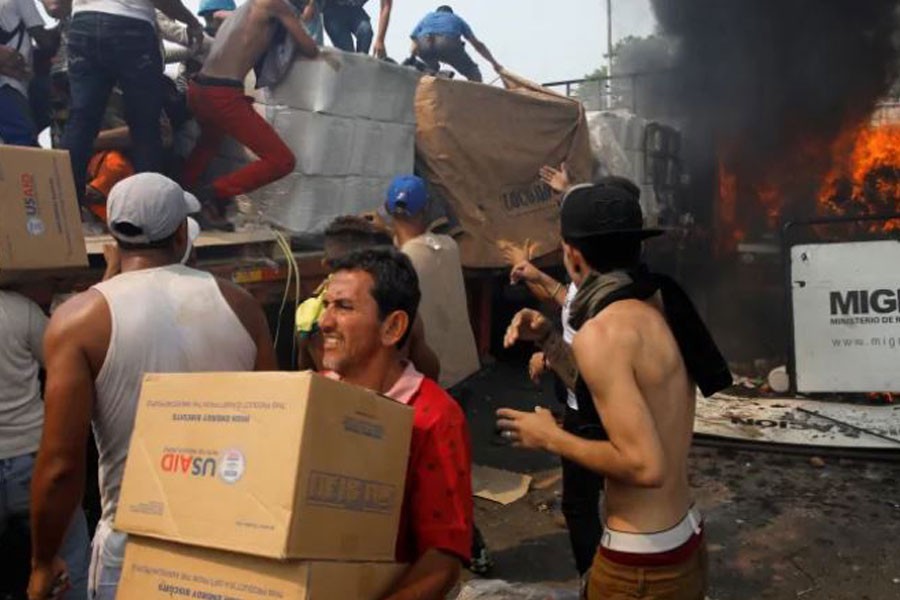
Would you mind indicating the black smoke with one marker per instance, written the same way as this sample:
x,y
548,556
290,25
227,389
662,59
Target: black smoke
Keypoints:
x,y
772,83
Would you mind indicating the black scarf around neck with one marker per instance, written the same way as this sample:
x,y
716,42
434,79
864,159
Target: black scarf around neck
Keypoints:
x,y
702,358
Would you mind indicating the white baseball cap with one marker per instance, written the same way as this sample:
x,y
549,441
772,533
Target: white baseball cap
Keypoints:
x,y
147,208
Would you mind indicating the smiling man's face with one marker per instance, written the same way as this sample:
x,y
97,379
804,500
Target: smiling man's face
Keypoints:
x,y
350,324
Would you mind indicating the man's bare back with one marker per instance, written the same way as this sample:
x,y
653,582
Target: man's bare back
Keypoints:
x,y
246,35
633,336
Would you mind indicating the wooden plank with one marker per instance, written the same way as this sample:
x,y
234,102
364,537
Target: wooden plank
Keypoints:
x,y
207,239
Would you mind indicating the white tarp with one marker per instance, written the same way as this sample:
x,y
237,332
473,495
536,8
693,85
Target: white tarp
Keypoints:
x,y
846,312
798,421
351,129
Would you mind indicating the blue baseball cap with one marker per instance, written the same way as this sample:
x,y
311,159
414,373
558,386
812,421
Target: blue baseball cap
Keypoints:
x,y
406,195
211,6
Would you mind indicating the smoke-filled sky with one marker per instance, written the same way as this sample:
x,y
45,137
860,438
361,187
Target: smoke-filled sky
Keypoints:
x,y
768,75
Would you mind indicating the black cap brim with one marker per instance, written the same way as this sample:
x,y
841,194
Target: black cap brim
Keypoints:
x,y
641,234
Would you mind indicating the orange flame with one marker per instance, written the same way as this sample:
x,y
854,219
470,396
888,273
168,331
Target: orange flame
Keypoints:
x,y
730,234
865,177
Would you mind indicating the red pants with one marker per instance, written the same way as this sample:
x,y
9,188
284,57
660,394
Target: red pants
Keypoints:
x,y
224,110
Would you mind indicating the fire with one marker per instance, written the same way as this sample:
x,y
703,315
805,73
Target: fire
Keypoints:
x,y
745,203
865,175
731,234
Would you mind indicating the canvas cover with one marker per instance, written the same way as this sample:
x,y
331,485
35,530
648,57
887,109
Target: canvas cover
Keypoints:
x,y
481,147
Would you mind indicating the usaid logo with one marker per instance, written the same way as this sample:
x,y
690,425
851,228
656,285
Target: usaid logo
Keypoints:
x,y
229,465
33,224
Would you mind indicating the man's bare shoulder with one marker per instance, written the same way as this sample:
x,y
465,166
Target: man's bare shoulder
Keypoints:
x,y
239,299
83,309
83,322
617,327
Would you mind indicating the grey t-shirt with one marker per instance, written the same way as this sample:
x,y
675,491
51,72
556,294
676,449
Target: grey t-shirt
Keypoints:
x,y
22,325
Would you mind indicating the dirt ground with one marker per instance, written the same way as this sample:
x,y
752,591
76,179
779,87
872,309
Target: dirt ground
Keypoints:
x,y
778,526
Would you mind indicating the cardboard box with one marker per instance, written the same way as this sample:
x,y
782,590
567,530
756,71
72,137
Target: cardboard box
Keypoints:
x,y
41,225
155,569
283,465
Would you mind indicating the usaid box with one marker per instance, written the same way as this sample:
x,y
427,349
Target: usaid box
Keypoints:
x,y
40,229
156,569
282,465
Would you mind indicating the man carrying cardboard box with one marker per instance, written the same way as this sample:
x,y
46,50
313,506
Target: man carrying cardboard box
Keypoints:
x,y
371,300
156,316
344,235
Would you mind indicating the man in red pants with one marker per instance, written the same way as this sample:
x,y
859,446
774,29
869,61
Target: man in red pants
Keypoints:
x,y
217,99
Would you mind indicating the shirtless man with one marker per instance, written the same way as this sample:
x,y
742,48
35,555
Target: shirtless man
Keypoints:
x,y
216,97
634,373
156,316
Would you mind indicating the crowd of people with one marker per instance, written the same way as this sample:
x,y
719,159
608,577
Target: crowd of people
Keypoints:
x,y
97,79
392,315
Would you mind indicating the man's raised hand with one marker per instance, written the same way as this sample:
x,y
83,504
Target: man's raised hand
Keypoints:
x,y
527,326
558,179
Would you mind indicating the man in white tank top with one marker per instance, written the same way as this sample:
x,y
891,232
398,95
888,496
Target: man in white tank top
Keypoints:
x,y
156,316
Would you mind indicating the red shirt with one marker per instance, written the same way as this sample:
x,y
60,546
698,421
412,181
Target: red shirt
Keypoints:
x,y
437,502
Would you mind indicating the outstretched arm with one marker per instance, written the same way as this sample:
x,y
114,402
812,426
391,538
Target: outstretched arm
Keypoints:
x,y
483,51
634,453
528,325
175,9
384,20
281,12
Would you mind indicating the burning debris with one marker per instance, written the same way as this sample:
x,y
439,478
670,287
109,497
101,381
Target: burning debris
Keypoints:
x,y
865,177
783,91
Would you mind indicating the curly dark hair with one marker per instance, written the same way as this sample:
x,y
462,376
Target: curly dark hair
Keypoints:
x,y
353,232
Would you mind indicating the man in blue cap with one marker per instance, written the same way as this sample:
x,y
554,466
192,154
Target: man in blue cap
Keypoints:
x,y
438,38
214,13
444,308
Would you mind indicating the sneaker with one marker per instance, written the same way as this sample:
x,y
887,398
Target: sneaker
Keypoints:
x,y
213,215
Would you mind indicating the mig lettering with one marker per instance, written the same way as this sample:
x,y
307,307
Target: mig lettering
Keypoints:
x,y
862,302
782,424
188,464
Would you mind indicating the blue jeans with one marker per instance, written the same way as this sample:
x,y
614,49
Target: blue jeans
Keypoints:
x,y
16,125
107,556
15,488
105,50
343,23
436,49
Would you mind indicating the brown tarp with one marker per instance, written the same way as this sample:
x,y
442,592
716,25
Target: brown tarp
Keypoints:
x,y
480,148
